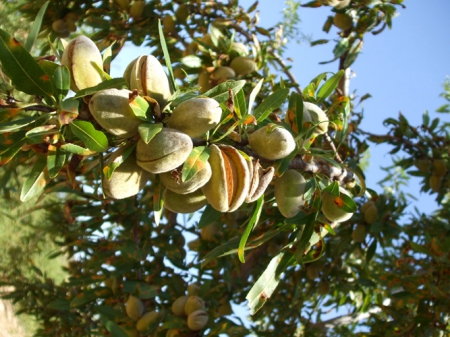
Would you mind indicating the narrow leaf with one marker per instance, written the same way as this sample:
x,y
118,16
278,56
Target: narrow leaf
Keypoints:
x,y
195,162
371,251
149,130
250,226
56,159
306,234
271,103
36,180
225,249
75,149
93,139
115,330
209,215
68,111
348,205
329,86
239,104
162,40
61,82
220,92
24,72
35,28
192,61
117,83
265,286
333,188
17,124
59,304
253,95
158,201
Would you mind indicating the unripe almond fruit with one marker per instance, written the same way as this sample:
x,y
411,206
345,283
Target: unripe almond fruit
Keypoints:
x,y
193,289
197,320
174,333
168,24
272,142
134,308
342,21
204,81
196,116
435,182
318,116
359,233
79,56
184,203
178,306
124,4
222,74
423,165
209,232
193,303
332,206
148,322
149,76
371,214
127,179
174,183
182,13
230,179
312,271
59,26
195,245
111,108
137,9
243,65
165,152
224,307
439,168
289,189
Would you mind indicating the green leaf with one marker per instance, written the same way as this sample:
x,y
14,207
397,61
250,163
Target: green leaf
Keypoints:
x,y
56,159
149,130
250,226
114,329
329,86
420,249
333,188
61,82
265,285
93,139
75,149
162,40
9,153
348,205
239,104
295,110
271,103
36,180
195,162
222,250
353,54
192,61
111,167
306,234
158,201
253,95
220,92
18,124
36,27
68,111
209,215
140,109
83,298
24,72
107,57
59,304
117,83
371,250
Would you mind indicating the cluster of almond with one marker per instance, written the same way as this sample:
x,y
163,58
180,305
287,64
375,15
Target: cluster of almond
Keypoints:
x,y
192,308
226,180
145,321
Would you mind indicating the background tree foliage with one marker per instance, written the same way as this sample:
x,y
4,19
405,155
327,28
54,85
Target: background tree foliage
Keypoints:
x,y
393,275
